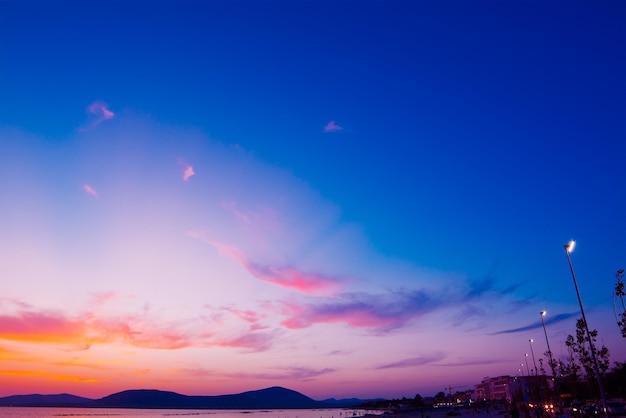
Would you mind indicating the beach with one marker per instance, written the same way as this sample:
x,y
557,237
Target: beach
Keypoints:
x,y
451,412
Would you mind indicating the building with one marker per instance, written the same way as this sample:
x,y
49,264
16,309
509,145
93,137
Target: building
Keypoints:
x,y
493,389
513,388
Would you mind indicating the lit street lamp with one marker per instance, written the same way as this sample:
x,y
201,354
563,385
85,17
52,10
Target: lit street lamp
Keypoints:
x,y
536,373
526,361
543,313
569,247
533,353
552,365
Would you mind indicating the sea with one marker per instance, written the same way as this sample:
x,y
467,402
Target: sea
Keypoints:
x,y
45,412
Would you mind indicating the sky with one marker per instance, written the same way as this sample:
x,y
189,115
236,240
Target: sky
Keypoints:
x,y
344,198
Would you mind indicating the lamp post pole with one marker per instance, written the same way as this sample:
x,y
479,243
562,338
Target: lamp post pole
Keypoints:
x,y
530,342
533,353
552,365
526,361
568,249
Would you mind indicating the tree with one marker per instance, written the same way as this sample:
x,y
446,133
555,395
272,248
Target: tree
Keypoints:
x,y
580,354
619,306
418,400
440,396
616,381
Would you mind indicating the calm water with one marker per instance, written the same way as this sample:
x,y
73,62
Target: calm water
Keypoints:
x,y
207,413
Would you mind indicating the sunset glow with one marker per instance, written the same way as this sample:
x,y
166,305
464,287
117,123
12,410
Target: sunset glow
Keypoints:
x,y
363,200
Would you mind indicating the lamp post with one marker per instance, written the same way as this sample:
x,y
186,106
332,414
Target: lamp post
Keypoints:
x,y
552,365
533,353
543,313
536,373
569,247
526,361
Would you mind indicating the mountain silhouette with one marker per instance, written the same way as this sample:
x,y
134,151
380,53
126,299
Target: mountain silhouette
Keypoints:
x,y
270,398
59,400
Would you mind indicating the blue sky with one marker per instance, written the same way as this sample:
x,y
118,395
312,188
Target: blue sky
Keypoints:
x,y
473,138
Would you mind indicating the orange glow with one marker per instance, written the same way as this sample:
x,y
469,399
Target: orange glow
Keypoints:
x,y
32,373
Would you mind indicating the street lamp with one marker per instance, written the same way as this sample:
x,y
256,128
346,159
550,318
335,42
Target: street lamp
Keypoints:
x,y
543,313
526,361
552,365
569,247
533,353
537,382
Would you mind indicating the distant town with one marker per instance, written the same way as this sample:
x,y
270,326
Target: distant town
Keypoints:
x,y
573,394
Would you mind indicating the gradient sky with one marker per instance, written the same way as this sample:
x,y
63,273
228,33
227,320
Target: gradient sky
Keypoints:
x,y
345,198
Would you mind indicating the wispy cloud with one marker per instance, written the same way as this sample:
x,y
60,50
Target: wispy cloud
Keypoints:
x,y
52,376
289,373
98,112
288,277
90,190
552,320
332,127
100,298
252,317
81,363
463,363
41,327
188,172
380,312
414,361
84,330
293,373
101,110
252,341
259,220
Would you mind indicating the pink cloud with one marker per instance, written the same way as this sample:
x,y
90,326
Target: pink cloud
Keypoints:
x,y
247,218
249,316
251,341
90,190
379,312
355,316
280,373
100,298
100,112
287,374
414,361
258,221
188,172
286,277
82,331
332,127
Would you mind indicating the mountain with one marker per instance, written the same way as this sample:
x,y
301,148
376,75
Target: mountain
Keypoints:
x,y
270,398
60,400
143,398
343,403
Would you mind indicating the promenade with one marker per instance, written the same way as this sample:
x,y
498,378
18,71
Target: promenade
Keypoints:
x,y
463,413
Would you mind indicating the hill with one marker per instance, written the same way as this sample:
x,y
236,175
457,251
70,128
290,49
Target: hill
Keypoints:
x,y
59,400
270,398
